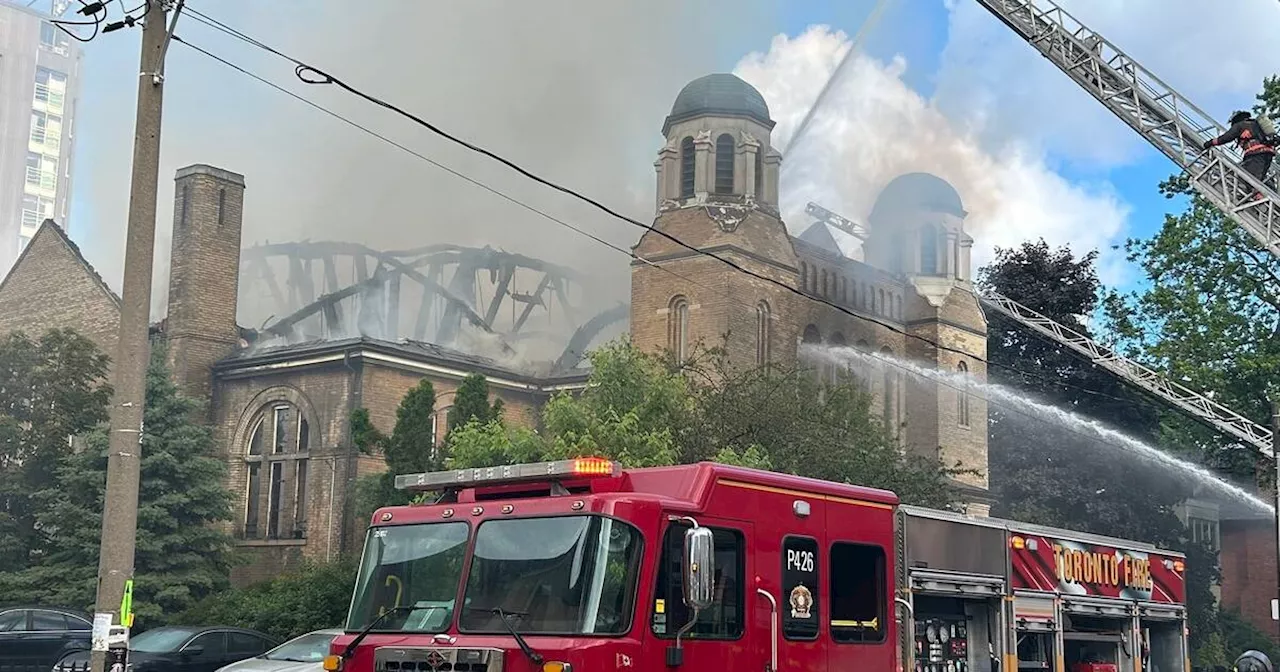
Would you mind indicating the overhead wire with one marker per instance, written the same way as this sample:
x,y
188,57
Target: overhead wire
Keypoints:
x,y
302,69
312,75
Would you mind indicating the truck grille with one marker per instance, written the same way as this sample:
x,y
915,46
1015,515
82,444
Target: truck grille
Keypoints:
x,y
436,659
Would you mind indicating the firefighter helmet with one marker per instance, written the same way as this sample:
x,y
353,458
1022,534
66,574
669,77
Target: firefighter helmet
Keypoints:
x,y
1253,661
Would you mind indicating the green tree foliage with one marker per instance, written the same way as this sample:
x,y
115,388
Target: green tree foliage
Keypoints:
x,y
1209,315
312,597
181,556
471,402
1046,472
410,448
1051,474
637,410
50,390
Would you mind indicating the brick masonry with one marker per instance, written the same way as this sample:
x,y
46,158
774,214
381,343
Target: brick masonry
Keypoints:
x,y
1248,562
52,286
325,394
204,274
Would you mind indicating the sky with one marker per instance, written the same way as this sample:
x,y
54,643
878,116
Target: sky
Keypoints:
x,y
577,92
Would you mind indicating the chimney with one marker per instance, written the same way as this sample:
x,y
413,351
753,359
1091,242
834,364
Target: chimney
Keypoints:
x,y
204,271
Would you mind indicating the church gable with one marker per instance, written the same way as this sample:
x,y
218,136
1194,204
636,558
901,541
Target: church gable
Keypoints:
x,y
52,275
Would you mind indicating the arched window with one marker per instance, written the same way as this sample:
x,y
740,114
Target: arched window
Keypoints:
x,y
762,333
891,417
811,335
678,328
865,301
760,173
276,461
844,290
688,161
962,396
880,309
724,164
824,282
929,250
897,307
804,276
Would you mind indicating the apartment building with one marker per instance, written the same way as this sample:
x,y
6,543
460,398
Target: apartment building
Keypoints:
x,y
40,68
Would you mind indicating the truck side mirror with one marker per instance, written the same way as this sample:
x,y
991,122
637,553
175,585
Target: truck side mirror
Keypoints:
x,y
699,568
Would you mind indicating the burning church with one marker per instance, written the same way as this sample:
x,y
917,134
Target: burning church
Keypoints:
x,y
353,327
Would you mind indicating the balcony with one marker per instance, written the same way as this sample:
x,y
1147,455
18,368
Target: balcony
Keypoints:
x,y
45,181
44,142
50,99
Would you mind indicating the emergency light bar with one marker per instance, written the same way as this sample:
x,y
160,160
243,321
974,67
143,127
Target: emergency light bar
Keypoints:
x,y
581,467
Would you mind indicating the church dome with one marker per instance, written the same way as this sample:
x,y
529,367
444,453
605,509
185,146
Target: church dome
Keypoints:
x,y
718,95
914,192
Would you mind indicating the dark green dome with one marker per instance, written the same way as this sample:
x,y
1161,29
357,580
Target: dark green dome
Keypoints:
x,y
718,95
915,192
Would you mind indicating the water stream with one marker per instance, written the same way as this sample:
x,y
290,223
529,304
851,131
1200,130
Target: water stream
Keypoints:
x,y
1016,401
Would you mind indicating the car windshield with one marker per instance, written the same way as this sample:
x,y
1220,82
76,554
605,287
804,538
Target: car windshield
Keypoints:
x,y
415,566
563,575
160,640
310,648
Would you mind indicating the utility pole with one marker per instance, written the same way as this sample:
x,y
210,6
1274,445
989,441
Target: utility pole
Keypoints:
x,y
133,351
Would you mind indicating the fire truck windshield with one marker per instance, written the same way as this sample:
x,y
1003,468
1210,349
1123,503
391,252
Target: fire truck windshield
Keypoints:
x,y
410,565
566,575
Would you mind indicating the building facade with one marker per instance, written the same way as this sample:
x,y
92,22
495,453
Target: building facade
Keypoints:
x,y
40,69
280,413
895,287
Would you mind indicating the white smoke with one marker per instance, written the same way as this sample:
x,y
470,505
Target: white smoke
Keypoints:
x,y
875,127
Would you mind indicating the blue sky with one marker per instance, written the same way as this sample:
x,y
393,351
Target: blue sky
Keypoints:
x,y
298,164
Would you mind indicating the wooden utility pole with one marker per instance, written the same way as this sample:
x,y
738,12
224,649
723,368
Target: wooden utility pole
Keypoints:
x,y
133,350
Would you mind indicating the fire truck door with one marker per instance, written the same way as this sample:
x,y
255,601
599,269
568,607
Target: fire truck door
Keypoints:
x,y
727,627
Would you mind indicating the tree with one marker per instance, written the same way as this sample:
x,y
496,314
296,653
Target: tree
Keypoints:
x,y
640,411
51,389
410,448
1210,314
471,402
311,597
1208,317
182,555
1053,474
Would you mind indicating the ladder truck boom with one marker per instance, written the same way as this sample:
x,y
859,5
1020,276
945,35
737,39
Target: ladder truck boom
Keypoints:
x,y
1166,118
1198,405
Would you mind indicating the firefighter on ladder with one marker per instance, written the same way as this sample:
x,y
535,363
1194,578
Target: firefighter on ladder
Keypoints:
x,y
1254,144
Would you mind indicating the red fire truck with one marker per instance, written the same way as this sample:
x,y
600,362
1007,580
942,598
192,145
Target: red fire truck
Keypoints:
x,y
580,565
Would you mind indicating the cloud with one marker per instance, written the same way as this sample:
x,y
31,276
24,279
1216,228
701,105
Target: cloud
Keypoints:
x,y
875,128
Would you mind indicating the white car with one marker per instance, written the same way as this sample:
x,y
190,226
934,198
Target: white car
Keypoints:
x,y
304,653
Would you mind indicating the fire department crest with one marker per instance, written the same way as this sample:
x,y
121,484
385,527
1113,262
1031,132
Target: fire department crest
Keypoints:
x,y
801,601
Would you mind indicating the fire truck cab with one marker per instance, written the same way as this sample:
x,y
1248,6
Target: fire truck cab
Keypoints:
x,y
582,565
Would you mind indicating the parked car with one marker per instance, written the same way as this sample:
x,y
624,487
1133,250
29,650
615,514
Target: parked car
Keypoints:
x,y
183,649
304,653
34,638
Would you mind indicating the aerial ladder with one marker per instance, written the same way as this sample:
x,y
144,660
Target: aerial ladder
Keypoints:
x,y
1195,404
1170,122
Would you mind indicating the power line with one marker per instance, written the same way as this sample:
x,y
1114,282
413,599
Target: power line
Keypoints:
x,y
312,75
437,164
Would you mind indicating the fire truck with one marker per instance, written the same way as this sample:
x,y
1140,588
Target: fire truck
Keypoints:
x,y
581,565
